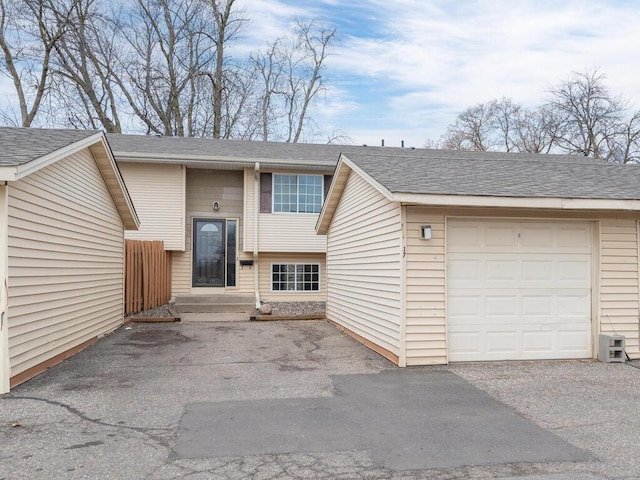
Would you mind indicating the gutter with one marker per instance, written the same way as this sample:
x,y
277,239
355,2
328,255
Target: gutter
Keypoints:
x,y
256,219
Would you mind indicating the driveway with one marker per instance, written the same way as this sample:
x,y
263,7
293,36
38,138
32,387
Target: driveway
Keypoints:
x,y
300,400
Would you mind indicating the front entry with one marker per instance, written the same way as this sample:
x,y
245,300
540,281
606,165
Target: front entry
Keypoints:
x,y
214,253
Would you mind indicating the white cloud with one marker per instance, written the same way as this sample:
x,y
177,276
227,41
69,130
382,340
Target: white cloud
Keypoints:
x,y
444,56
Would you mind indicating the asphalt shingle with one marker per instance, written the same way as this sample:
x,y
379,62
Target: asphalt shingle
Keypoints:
x,y
22,145
506,175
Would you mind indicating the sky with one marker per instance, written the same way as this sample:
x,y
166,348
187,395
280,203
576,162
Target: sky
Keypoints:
x,y
403,69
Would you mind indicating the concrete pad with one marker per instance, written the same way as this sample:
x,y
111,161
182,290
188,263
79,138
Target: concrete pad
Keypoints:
x,y
215,317
406,419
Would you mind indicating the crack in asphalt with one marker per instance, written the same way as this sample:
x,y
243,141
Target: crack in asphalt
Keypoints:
x,y
84,417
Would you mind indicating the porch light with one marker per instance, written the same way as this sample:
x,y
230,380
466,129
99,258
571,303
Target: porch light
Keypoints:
x,y
216,206
425,232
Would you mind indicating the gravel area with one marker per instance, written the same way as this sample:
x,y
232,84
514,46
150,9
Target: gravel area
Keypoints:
x,y
297,308
159,312
592,405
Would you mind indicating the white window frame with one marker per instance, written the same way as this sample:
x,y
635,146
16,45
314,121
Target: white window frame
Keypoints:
x,y
297,175
302,264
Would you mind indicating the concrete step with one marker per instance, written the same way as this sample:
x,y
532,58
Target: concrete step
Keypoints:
x,y
214,304
214,317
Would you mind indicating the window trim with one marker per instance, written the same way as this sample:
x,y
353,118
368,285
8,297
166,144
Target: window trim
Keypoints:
x,y
297,175
296,291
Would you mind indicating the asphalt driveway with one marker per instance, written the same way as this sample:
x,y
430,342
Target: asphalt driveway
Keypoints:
x,y
300,400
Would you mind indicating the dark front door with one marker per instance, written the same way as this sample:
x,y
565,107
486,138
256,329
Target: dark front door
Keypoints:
x,y
209,259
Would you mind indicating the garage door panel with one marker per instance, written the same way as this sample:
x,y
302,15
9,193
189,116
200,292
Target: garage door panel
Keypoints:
x,y
536,235
465,306
467,344
501,306
575,236
537,342
575,307
537,305
464,235
466,269
518,290
500,235
574,342
502,342
537,269
576,269
500,269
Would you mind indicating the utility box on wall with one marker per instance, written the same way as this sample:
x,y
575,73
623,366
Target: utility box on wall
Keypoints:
x,y
611,348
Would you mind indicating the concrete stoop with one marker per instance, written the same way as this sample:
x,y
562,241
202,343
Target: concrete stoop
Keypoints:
x,y
215,317
216,308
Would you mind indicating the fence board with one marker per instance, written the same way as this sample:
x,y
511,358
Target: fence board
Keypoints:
x,y
147,275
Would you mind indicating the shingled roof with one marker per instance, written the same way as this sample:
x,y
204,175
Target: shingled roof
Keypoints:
x,y
23,145
437,172
447,178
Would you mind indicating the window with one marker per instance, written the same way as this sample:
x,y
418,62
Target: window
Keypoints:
x,y
295,277
297,193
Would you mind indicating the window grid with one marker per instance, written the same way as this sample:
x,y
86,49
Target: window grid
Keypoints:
x,y
295,277
297,193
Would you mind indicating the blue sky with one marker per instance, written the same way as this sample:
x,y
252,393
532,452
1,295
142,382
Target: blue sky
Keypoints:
x,y
403,69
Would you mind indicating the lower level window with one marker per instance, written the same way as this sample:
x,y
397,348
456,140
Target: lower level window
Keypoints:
x,y
296,277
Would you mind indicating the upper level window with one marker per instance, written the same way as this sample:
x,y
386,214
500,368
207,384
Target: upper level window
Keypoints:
x,y
297,193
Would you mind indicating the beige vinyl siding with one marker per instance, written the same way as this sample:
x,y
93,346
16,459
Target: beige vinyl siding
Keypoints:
x,y
249,208
204,187
266,260
66,248
280,232
245,277
180,273
290,232
616,287
181,276
364,265
425,312
158,194
619,280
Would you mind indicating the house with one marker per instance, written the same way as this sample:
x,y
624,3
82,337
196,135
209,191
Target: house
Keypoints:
x,y
238,216
63,211
443,256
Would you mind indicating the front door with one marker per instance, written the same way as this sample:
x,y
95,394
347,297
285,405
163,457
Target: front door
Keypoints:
x,y
214,252
209,253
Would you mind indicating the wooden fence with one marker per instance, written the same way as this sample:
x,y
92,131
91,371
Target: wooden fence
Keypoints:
x,y
147,275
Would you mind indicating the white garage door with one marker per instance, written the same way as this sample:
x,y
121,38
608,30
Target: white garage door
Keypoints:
x,y
518,290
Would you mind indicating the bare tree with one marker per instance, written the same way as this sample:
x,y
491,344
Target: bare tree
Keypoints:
x,y
289,76
537,130
304,65
581,117
590,115
29,32
472,130
269,69
86,60
164,65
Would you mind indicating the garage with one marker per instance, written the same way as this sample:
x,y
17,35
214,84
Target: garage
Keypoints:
x,y
445,256
519,290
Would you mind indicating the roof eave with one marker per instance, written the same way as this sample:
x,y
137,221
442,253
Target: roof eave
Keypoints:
x,y
544,203
8,173
115,183
222,161
341,175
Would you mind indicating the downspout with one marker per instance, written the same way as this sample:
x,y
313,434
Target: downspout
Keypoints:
x,y
5,371
256,219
